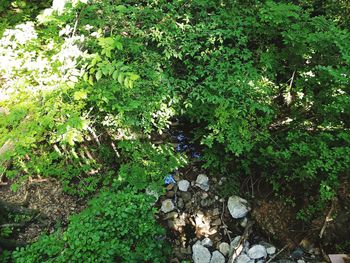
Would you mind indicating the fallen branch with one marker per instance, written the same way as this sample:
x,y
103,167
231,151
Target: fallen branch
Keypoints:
x,y
279,252
236,252
327,219
223,223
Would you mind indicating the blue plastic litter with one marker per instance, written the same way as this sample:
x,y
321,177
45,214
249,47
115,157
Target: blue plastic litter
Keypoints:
x,y
169,179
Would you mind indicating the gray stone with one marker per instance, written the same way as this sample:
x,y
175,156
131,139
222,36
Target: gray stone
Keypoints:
x,y
238,207
224,248
217,257
200,254
216,222
216,212
207,242
171,215
186,196
167,206
244,222
246,247
202,182
271,250
207,202
180,203
257,251
183,185
243,258
170,194
235,242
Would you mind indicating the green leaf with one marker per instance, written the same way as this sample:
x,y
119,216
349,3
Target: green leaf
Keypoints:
x,y
98,75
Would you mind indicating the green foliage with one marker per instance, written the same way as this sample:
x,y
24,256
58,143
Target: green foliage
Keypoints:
x,y
265,81
13,12
107,231
146,165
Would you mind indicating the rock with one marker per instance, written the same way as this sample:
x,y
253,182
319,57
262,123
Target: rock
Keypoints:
x,y
297,253
183,185
238,207
216,212
200,254
202,182
217,257
207,242
167,206
170,194
257,251
188,205
224,248
244,222
204,195
235,242
246,247
170,187
186,196
300,261
180,203
243,258
207,202
271,250
171,224
216,222
171,215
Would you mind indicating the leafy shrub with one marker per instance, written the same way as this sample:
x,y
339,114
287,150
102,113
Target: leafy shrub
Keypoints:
x,y
117,226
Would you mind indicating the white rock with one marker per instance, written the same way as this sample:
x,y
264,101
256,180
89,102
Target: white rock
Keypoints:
x,y
200,254
271,250
246,247
238,207
183,185
224,248
217,257
235,242
257,251
243,258
244,222
202,182
167,206
207,242
300,261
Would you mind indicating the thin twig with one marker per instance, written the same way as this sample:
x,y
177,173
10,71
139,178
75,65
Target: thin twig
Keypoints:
x,y
239,247
279,252
223,223
77,16
291,80
327,219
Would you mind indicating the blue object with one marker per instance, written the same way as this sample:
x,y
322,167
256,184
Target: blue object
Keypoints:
x,y
169,179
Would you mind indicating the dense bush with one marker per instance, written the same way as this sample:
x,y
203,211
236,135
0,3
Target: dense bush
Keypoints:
x,y
117,227
264,83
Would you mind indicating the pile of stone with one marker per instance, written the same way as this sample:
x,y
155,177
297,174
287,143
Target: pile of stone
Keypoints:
x,y
192,204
